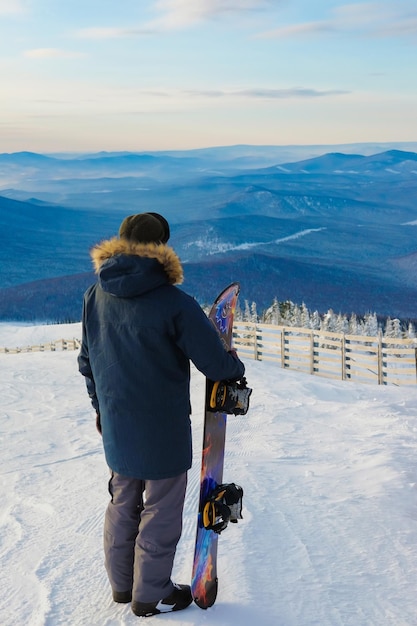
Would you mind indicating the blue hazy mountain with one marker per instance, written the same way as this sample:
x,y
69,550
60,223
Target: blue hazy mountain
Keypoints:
x,y
335,230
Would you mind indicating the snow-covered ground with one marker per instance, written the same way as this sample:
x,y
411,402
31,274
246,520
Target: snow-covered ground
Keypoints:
x,y
329,470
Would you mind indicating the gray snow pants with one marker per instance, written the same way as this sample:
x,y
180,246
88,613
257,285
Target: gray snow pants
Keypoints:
x,y
143,524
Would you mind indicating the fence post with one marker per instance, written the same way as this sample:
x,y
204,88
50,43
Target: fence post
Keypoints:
x,y
380,360
283,347
255,342
343,356
312,352
415,352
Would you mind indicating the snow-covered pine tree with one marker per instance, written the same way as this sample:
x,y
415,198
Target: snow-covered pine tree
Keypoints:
x,y
295,316
315,321
388,330
305,317
327,321
285,311
353,326
272,314
246,313
370,327
253,313
396,324
411,332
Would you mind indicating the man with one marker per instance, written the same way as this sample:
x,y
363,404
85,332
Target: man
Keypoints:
x,y
139,334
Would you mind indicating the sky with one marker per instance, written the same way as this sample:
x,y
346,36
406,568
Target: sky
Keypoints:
x,y
181,74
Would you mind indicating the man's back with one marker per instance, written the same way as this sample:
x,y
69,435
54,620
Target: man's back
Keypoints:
x,y
141,332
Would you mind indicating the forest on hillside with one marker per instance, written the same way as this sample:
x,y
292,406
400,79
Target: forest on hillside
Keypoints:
x,y
288,313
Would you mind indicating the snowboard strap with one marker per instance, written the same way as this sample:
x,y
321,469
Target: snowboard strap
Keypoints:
x,y
223,506
230,397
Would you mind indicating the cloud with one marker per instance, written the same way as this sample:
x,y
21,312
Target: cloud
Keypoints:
x,y
406,27
294,92
176,15
257,93
379,19
11,7
185,12
382,19
299,30
52,53
98,32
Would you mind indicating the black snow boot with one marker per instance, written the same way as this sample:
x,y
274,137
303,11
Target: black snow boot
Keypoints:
x,y
179,599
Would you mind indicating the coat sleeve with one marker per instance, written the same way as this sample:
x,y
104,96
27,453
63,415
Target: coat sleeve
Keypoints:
x,y
84,366
198,339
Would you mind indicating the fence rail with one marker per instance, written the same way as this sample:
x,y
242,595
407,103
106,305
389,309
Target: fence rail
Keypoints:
x,y
359,358
379,360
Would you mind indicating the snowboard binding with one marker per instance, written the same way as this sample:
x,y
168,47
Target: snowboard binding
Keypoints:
x,y
223,506
230,397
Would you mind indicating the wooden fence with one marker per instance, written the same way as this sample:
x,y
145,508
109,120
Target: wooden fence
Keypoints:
x,y
332,355
54,346
376,360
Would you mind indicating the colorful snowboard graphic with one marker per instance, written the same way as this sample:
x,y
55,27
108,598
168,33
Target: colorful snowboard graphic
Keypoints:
x,y
204,578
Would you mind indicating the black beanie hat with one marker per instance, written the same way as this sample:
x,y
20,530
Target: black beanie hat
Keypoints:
x,y
145,228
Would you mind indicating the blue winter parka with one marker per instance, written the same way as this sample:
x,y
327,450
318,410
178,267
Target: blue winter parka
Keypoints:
x,y
139,333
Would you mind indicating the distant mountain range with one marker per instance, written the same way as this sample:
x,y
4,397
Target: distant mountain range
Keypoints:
x,y
336,230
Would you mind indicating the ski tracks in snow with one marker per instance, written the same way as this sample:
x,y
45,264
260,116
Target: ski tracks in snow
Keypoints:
x,y
39,502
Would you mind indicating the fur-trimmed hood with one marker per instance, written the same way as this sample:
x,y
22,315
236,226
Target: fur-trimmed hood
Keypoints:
x,y
126,268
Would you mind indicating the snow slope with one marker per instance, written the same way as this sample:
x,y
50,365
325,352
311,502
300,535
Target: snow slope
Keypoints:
x,y
329,470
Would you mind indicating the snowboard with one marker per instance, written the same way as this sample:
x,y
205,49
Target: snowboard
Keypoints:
x,y
204,582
